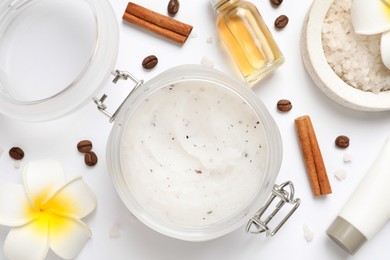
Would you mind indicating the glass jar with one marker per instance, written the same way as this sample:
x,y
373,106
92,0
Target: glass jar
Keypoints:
x,y
194,154
247,39
54,55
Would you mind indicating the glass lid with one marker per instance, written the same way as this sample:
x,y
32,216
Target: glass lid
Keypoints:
x,y
50,54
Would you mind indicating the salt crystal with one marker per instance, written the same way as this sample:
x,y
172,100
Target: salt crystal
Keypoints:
x,y
340,174
338,69
364,81
114,232
308,233
347,158
132,219
346,65
367,87
374,48
209,40
347,29
349,76
376,90
353,84
326,28
17,164
207,62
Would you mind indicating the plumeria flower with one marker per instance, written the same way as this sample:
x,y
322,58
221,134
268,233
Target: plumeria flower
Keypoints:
x,y
373,17
45,213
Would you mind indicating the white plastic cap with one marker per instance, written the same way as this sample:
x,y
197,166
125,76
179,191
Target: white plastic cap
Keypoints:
x,y
346,235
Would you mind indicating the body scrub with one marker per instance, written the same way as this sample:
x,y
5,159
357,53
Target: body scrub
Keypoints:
x,y
194,154
341,44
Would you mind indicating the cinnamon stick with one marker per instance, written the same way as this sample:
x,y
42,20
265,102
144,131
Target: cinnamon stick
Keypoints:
x,y
157,23
311,152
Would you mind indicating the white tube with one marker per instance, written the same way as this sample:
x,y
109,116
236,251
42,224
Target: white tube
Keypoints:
x,y
366,211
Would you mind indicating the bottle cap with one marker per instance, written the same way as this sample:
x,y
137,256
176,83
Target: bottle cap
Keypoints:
x,y
346,235
217,3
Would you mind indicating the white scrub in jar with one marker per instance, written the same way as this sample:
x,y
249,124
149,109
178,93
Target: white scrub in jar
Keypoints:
x,y
194,154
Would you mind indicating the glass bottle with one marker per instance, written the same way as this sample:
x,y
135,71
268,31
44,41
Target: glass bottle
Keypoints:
x,y
247,38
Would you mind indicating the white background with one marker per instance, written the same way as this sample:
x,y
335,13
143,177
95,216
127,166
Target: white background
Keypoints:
x,y
367,131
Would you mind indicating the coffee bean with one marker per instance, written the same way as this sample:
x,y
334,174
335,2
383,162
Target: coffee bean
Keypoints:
x,y
90,158
16,153
84,146
173,7
281,22
150,62
276,2
284,105
342,141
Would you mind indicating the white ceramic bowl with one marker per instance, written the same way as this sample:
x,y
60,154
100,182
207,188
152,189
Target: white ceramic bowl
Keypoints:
x,y
323,75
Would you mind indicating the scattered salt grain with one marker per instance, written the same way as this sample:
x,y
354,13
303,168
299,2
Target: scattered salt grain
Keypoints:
x,y
132,219
207,62
209,40
114,232
340,174
308,233
17,164
347,158
193,35
365,71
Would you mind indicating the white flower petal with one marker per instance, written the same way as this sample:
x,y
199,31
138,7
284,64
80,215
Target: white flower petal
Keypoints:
x,y
30,241
385,49
74,199
15,208
370,16
68,236
42,179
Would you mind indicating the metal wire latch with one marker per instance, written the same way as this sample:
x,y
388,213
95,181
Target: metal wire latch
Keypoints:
x,y
117,76
256,225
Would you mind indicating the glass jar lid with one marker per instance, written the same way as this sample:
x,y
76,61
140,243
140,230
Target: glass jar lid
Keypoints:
x,y
54,55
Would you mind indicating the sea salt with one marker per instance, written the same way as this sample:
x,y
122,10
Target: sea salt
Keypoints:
x,y
207,62
114,232
132,219
341,44
308,233
340,174
347,158
194,35
17,164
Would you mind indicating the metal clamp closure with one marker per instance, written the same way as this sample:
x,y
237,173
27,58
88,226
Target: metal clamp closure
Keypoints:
x,y
117,76
256,225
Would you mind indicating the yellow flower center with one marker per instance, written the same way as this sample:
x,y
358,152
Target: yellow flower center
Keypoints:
x,y
387,7
41,222
52,215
